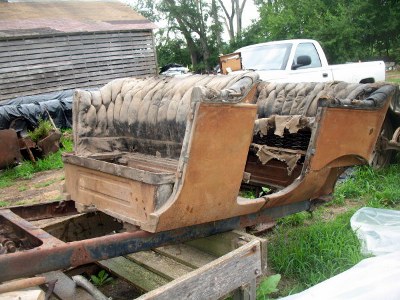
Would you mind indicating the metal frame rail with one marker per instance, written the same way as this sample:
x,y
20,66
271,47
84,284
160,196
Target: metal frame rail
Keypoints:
x,y
54,254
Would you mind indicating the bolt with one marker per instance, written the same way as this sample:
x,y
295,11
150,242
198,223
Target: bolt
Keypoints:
x,y
11,248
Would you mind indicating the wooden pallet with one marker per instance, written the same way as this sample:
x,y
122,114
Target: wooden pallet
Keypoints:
x,y
207,268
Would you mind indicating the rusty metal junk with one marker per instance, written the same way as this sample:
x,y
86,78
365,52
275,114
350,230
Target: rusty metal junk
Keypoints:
x,y
14,148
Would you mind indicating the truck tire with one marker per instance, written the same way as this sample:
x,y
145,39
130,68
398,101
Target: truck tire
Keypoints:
x,y
382,158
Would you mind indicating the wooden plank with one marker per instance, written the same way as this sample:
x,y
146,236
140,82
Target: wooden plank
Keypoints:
x,y
61,51
83,58
186,255
48,45
73,85
45,45
87,36
107,75
216,279
79,54
51,75
159,264
217,245
31,294
137,275
39,63
68,67
53,50
246,292
223,243
56,47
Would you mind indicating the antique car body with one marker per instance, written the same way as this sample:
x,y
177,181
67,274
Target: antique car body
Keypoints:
x,y
165,153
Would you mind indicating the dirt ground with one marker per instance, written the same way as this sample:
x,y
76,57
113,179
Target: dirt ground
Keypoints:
x,y
43,187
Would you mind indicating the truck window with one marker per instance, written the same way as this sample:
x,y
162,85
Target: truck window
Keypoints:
x,y
308,49
265,57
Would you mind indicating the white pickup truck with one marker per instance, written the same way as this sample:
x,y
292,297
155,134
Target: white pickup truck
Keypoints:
x,y
304,60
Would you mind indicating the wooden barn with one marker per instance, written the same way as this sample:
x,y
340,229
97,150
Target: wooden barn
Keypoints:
x,y
52,46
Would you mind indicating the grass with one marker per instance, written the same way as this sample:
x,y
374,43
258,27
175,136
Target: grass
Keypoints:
x,y
374,188
4,203
308,248
316,252
393,76
27,168
22,188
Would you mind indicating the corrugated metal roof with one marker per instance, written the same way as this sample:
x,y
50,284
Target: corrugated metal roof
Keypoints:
x,y
38,18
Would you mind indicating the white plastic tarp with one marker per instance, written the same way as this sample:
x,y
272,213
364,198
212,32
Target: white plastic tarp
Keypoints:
x,y
372,278
378,230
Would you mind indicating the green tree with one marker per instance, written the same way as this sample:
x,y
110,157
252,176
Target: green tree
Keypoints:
x,y
348,30
195,22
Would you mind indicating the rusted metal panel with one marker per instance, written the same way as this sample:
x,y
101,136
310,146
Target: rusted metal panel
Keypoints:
x,y
51,143
219,143
9,148
336,140
46,210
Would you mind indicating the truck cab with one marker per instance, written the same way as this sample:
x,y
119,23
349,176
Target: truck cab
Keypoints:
x,y
303,60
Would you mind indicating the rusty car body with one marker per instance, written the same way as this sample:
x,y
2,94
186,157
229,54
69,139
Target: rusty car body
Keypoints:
x,y
165,153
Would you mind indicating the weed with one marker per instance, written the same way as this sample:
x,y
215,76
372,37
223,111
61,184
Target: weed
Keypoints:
x,y
268,286
295,219
5,182
22,188
264,191
4,203
249,194
43,130
101,278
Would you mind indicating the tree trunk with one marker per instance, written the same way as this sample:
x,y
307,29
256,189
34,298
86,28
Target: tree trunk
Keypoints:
x,y
239,12
229,19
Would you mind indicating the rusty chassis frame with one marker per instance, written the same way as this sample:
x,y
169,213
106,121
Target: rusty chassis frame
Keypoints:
x,y
54,254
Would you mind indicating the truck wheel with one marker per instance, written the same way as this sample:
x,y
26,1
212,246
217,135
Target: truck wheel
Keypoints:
x,y
383,158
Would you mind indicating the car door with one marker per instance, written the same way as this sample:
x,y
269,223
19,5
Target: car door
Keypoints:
x,y
314,72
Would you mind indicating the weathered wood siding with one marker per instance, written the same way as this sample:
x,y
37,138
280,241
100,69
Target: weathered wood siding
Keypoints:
x,y
35,65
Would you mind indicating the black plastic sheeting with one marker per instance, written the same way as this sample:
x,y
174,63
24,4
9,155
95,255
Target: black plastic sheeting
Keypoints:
x,y
23,113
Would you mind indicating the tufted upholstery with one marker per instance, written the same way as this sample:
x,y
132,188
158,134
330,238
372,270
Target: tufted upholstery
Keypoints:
x,y
302,98
147,115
